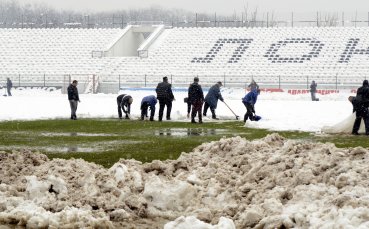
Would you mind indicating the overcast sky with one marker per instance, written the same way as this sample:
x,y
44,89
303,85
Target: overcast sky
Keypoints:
x,y
210,6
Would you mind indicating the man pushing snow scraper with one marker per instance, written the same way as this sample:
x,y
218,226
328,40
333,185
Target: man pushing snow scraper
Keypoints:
x,y
249,101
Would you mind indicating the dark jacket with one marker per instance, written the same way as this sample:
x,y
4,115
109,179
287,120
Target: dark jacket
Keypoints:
x,y
73,93
195,93
250,97
151,100
164,91
123,101
9,83
362,95
213,96
313,86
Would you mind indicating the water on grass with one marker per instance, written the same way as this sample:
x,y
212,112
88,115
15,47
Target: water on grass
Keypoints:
x,y
65,134
69,149
81,148
182,132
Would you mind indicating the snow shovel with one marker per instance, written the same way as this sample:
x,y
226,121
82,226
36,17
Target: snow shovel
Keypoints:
x,y
237,117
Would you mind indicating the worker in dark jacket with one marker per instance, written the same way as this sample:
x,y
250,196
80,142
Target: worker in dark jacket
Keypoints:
x,y
249,101
361,103
196,98
73,98
211,99
362,94
124,102
146,103
9,85
165,96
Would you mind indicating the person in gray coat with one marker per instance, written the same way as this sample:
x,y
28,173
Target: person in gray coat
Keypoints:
x,y
211,99
9,86
313,90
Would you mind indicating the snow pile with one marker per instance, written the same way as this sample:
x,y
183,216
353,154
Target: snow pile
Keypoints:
x,y
192,222
345,126
231,183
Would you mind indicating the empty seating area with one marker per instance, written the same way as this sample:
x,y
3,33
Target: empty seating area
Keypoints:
x,y
275,56
33,53
268,54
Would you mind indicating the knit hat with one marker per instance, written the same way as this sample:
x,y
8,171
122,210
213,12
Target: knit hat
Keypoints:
x,y
365,83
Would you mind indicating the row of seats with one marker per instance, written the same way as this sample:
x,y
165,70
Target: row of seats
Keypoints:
x,y
52,51
274,51
238,53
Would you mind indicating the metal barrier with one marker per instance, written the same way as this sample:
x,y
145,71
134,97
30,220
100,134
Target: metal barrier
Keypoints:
x,y
93,83
88,83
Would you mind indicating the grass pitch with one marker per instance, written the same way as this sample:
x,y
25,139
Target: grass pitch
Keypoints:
x,y
105,141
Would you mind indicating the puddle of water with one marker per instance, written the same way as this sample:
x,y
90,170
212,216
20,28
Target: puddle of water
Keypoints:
x,y
181,132
49,134
82,148
70,149
48,149
95,147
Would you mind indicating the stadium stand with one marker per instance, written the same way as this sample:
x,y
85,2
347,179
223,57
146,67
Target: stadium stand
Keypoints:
x,y
332,55
274,56
51,51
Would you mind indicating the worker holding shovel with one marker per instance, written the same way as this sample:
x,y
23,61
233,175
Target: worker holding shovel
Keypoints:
x,y
249,101
211,99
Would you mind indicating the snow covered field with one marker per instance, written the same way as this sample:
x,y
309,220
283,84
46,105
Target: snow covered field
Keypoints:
x,y
279,111
231,183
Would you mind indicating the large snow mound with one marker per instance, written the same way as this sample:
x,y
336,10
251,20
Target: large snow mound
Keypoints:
x,y
267,183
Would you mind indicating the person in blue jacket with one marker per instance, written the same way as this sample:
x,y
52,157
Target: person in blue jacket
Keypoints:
x,y
146,103
249,101
211,99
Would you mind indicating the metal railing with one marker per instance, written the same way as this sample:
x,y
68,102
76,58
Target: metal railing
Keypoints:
x,y
109,83
92,83
241,19
88,83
